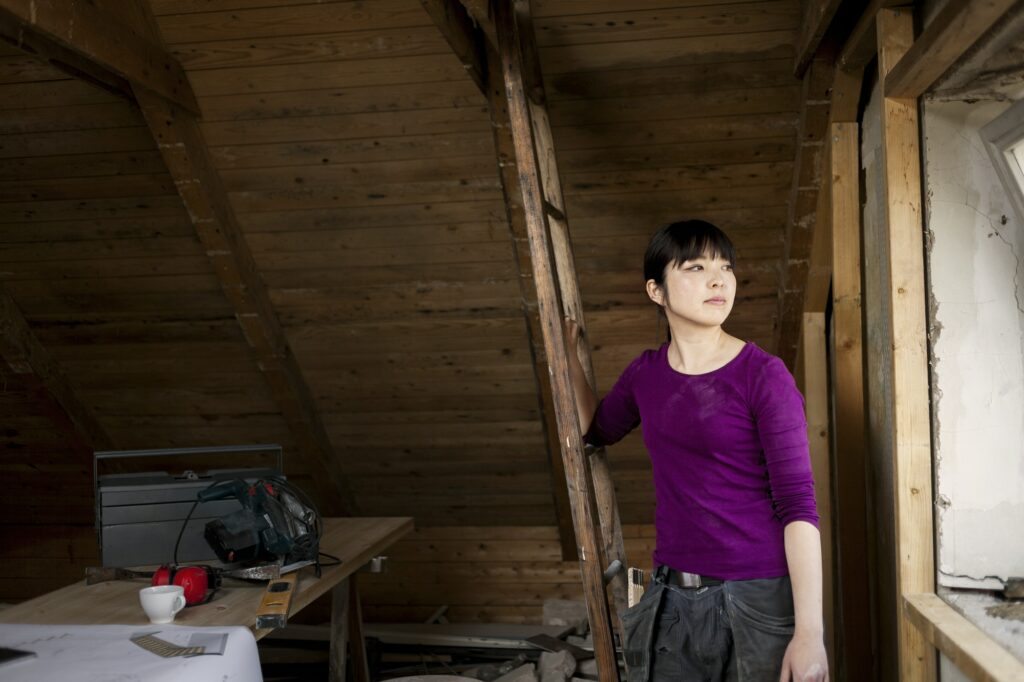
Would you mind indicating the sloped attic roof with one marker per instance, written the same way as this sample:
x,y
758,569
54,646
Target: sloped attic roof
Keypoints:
x,y
357,155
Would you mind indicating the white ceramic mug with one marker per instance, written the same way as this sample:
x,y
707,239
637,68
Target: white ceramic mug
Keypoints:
x,y
162,602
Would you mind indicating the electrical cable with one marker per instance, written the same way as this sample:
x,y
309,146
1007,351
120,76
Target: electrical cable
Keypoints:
x,y
181,532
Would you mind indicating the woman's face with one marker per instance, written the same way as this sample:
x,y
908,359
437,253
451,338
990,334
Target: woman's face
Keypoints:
x,y
699,291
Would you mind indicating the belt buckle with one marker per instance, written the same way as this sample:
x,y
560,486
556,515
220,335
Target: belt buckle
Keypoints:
x,y
690,580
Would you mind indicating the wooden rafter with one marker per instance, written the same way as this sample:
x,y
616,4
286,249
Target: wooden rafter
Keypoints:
x,y
459,29
32,363
911,437
953,30
188,160
53,28
168,107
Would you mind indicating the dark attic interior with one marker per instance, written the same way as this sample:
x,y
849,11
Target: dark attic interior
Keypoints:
x,y
335,241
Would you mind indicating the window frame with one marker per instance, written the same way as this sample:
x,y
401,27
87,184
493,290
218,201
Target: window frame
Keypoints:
x,y
1002,136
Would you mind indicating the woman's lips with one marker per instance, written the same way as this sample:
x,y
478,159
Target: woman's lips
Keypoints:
x,y
715,301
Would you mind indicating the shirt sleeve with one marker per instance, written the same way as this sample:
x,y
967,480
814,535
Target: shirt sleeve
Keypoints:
x,y
617,414
782,427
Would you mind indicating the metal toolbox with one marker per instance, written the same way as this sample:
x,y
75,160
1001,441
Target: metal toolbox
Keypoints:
x,y
140,515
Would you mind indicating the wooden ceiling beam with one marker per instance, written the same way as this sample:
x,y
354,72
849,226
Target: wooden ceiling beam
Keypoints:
x,y
956,27
35,367
462,35
861,46
112,52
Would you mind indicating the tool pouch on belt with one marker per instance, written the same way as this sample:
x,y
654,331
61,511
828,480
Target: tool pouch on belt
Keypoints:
x,y
638,623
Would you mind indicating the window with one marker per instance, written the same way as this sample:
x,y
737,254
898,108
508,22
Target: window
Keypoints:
x,y
1004,139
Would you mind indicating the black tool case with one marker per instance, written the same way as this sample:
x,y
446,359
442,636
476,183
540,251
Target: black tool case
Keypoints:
x,y
139,515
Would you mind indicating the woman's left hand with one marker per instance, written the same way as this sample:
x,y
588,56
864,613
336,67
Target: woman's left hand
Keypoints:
x,y
805,660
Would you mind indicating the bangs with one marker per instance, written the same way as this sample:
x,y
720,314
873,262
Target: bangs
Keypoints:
x,y
686,240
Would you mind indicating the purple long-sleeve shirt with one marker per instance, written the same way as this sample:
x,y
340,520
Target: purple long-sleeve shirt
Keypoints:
x,y
729,453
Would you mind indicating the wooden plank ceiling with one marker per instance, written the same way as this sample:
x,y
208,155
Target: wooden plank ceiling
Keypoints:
x,y
358,157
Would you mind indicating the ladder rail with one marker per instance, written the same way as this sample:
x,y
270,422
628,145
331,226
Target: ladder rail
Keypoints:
x,y
572,303
558,291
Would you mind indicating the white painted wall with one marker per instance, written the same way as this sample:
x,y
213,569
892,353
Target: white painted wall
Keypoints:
x,y
977,304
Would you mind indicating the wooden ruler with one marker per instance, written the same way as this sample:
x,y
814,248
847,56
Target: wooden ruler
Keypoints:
x,y
273,609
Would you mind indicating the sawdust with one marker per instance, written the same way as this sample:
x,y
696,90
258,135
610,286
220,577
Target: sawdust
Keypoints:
x,y
1009,611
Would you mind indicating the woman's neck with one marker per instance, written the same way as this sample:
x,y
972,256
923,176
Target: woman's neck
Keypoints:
x,y
697,351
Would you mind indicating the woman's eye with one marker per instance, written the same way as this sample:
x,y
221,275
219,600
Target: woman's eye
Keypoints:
x,y
727,268
696,267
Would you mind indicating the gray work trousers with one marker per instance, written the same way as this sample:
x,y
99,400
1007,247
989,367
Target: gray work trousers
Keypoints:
x,y
734,632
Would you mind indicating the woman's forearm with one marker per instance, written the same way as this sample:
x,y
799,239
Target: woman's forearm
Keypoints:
x,y
803,555
586,401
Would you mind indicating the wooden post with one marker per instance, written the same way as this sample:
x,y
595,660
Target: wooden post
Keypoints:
x,y
854,650
803,204
912,454
340,607
815,387
356,639
545,279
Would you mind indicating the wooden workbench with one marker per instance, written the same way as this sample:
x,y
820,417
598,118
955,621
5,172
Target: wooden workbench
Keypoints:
x,y
354,540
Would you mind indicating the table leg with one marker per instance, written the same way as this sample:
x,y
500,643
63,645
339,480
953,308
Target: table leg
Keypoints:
x,y
347,628
339,630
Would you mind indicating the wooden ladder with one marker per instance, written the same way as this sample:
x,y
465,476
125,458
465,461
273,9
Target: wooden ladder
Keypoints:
x,y
591,492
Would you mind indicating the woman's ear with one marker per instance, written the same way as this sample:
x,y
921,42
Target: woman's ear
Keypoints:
x,y
655,292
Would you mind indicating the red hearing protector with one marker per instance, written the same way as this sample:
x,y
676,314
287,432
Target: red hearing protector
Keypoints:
x,y
199,582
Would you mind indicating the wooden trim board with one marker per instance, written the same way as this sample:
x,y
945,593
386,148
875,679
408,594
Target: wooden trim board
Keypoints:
x,y
975,653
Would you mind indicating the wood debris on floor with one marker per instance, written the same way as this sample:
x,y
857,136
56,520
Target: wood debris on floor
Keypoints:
x,y
561,650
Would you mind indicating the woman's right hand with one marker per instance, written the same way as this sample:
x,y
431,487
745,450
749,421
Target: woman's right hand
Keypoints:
x,y
572,332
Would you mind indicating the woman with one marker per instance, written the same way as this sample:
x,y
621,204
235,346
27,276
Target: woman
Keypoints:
x,y
737,587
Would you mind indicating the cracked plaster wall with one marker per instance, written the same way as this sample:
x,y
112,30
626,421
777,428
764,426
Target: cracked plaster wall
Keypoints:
x,y
976,291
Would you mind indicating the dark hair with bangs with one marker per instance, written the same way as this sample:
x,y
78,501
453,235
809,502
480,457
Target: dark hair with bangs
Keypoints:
x,y
685,240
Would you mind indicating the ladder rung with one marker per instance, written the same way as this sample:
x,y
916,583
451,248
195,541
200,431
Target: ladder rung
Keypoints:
x,y
553,211
614,568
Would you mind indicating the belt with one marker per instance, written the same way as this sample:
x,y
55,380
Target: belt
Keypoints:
x,y
689,581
